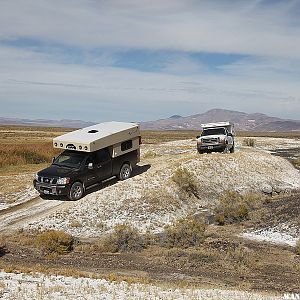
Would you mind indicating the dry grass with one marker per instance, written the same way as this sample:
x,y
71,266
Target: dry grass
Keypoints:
x,y
298,247
234,207
150,154
23,154
297,162
154,137
54,242
123,238
184,233
24,146
2,245
281,134
250,142
185,181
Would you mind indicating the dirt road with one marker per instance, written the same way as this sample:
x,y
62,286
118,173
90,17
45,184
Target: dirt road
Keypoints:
x,y
15,217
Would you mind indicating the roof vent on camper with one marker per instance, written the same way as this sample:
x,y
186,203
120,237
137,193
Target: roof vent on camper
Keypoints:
x,y
93,131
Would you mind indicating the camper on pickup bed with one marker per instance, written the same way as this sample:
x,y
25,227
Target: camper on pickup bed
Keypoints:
x,y
216,137
91,155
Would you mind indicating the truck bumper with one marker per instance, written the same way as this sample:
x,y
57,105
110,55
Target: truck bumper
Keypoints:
x,y
210,148
51,189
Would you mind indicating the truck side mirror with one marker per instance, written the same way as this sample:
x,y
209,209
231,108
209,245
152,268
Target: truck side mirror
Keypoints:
x,y
90,166
53,159
197,137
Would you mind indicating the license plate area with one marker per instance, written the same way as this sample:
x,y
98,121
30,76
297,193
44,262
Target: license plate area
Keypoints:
x,y
46,191
210,147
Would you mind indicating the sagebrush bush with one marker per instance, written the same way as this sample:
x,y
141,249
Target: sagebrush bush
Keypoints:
x,y
54,242
297,161
234,207
150,154
123,238
184,233
250,142
185,181
298,247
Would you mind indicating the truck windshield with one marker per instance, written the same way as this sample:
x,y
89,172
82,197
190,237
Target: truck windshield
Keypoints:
x,y
213,131
70,159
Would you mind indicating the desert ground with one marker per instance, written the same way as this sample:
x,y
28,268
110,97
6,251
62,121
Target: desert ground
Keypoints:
x,y
253,255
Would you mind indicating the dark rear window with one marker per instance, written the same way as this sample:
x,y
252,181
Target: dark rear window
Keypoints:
x,y
126,145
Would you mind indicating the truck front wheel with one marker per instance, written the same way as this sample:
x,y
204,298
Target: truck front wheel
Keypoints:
x,y
125,172
76,191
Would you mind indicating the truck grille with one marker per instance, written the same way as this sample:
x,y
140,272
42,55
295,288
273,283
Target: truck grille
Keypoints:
x,y
48,180
210,140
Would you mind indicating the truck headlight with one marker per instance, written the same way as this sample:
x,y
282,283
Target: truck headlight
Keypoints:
x,y
64,180
36,177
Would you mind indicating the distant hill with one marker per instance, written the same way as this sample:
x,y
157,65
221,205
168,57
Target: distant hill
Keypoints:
x,y
242,121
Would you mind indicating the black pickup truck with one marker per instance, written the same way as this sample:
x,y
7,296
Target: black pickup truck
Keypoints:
x,y
73,172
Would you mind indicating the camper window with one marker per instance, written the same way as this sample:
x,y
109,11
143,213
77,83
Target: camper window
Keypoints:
x,y
126,145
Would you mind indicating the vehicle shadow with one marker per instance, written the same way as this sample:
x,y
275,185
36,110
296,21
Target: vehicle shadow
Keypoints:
x,y
138,170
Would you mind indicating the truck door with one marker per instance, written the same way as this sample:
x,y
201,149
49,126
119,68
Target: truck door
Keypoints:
x,y
103,164
91,174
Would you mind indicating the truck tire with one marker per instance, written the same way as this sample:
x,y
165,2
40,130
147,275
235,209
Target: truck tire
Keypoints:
x,y
125,171
232,149
76,191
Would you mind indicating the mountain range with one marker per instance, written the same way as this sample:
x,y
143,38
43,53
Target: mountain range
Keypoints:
x,y
242,121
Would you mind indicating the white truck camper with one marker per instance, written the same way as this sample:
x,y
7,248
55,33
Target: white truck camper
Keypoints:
x,y
90,156
108,134
216,137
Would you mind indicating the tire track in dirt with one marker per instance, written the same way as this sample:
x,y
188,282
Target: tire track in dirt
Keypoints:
x,y
14,217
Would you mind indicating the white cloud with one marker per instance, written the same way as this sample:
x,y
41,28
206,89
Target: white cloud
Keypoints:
x,y
33,85
247,27
50,83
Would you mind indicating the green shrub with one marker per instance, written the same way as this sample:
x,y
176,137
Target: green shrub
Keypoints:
x,y
54,242
185,181
123,238
184,233
234,207
250,142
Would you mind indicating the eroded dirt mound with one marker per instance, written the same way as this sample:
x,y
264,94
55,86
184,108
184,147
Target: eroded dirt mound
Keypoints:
x,y
170,185
278,222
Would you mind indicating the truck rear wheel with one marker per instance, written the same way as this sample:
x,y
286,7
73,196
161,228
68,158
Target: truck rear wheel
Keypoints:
x,y
125,171
76,191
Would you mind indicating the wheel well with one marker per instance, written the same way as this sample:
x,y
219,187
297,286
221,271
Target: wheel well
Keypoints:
x,y
126,162
80,181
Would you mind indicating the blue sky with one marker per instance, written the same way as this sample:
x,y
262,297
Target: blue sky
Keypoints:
x,y
136,60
